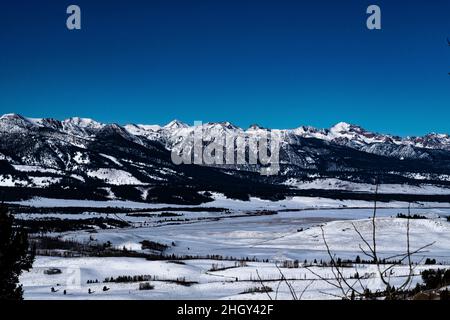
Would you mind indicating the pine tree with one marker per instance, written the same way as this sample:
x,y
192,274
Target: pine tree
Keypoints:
x,y
15,256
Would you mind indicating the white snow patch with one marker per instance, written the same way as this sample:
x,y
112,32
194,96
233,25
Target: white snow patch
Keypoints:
x,y
113,159
114,176
81,158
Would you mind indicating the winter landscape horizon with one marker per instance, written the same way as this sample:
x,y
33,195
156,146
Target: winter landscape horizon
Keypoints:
x,y
112,217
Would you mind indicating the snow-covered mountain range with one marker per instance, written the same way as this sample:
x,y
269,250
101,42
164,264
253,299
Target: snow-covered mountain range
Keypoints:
x,y
84,158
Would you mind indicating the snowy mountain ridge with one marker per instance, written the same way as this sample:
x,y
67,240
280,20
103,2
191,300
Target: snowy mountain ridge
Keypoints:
x,y
98,158
342,133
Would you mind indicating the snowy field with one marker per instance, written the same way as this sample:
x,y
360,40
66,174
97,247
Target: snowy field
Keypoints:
x,y
279,236
231,283
223,202
291,232
337,184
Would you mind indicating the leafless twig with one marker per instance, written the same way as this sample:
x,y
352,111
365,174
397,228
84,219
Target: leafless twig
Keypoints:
x,y
263,285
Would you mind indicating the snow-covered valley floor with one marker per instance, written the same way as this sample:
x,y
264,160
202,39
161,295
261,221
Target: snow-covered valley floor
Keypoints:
x,y
231,283
291,231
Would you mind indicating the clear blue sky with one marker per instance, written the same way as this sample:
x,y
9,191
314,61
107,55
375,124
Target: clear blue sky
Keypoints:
x,y
277,63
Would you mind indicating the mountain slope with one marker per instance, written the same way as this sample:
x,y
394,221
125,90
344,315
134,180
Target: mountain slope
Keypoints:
x,y
82,158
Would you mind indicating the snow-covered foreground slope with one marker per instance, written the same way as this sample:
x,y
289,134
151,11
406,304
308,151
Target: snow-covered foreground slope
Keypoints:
x,y
284,236
231,283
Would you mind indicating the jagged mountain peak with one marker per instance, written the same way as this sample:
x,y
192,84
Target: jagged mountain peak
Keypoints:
x,y
347,128
15,122
114,129
255,127
342,127
48,123
14,117
83,122
149,127
11,116
225,125
175,124
81,126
